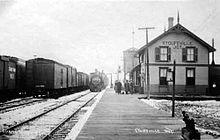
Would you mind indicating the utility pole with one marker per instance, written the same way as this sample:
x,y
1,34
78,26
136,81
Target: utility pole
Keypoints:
x,y
133,38
119,71
146,61
174,84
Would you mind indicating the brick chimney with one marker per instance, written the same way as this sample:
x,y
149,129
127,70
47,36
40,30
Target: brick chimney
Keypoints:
x,y
170,22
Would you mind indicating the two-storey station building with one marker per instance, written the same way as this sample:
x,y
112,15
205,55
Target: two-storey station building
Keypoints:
x,y
192,61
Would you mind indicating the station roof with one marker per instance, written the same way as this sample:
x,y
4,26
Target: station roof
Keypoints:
x,y
178,28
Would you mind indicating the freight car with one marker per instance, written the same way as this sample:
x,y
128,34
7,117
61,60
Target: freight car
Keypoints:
x,y
12,76
38,77
45,77
83,80
52,79
98,81
71,78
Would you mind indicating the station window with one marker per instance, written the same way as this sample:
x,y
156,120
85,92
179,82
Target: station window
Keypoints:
x,y
190,76
163,75
190,54
162,53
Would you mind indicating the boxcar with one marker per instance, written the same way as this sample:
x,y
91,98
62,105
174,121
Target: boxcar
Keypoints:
x,y
46,77
74,77
79,80
82,80
85,80
12,76
71,78
20,74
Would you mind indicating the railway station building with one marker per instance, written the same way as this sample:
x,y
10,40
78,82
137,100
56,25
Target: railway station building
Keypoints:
x,y
192,62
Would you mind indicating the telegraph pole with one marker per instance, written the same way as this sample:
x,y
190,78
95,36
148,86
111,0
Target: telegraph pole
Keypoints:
x,y
119,71
174,83
133,38
146,61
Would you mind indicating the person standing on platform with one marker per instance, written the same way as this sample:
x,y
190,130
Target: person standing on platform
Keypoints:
x,y
131,87
116,86
126,87
119,87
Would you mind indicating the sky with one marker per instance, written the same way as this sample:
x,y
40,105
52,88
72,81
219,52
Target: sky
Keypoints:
x,y
90,34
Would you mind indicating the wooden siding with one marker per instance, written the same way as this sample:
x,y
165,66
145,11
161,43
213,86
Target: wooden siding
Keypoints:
x,y
176,54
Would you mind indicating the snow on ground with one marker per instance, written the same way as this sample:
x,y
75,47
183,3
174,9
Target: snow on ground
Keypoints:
x,y
205,113
206,108
11,118
42,126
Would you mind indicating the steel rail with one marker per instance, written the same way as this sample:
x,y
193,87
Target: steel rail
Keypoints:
x,y
39,115
13,106
46,137
9,102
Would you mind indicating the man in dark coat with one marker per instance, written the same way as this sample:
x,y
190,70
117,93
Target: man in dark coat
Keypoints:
x,y
126,87
131,87
119,87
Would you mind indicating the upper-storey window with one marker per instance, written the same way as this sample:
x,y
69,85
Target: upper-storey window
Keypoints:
x,y
190,54
162,53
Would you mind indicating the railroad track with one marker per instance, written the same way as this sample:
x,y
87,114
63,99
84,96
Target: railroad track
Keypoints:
x,y
47,122
62,129
13,104
14,101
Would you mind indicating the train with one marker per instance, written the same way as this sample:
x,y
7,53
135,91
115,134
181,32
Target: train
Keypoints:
x,y
38,77
12,77
98,81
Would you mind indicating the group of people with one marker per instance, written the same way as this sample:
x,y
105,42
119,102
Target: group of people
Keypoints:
x,y
128,87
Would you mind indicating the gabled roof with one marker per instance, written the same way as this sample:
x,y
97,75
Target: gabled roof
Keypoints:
x,y
178,28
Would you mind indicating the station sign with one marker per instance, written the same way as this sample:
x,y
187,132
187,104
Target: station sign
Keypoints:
x,y
177,44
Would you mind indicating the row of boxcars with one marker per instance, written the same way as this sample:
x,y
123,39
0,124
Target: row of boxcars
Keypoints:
x,y
38,77
98,81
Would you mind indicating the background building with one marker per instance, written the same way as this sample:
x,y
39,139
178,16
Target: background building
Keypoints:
x,y
130,60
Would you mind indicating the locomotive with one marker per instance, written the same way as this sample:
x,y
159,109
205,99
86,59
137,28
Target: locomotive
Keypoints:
x,y
38,77
98,81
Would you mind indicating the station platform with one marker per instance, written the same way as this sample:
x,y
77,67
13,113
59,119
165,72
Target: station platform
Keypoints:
x,y
122,117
